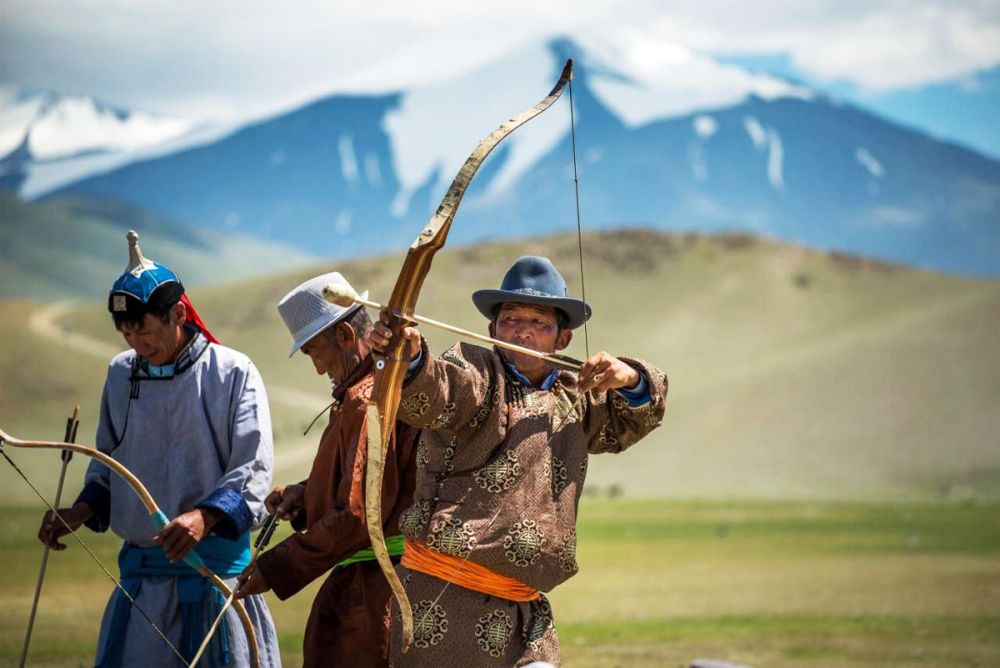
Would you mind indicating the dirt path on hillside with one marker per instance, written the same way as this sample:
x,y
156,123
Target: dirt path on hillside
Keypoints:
x,y
45,322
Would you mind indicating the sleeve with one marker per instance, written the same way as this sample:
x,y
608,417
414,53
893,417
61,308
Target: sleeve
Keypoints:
x,y
447,391
299,521
638,395
342,530
97,481
243,487
615,421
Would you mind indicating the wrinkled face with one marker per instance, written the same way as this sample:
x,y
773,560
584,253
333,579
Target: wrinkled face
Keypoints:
x,y
530,326
328,355
154,340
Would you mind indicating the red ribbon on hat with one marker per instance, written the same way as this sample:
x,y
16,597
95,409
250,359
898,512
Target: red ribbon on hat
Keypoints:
x,y
195,319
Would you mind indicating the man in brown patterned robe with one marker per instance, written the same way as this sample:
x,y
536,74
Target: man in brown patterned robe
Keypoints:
x,y
349,621
500,469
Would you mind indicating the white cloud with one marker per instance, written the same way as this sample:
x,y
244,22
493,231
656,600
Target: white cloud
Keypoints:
x,y
889,44
230,59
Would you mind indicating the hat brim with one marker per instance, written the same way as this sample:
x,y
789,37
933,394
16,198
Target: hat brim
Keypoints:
x,y
322,324
577,311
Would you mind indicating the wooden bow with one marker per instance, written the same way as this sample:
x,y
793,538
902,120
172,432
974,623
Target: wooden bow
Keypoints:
x,y
391,365
155,514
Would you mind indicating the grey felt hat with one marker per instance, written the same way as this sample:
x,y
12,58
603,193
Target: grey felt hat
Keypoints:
x,y
306,313
533,280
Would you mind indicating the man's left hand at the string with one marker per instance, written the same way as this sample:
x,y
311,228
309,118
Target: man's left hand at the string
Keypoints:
x,y
604,371
250,582
185,531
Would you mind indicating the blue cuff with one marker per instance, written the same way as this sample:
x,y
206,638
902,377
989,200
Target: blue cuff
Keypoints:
x,y
415,364
638,395
238,518
98,497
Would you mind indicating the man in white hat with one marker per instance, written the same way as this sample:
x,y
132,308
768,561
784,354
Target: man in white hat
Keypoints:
x,y
349,621
189,418
502,461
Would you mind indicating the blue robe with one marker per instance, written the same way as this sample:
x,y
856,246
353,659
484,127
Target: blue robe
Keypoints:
x,y
197,437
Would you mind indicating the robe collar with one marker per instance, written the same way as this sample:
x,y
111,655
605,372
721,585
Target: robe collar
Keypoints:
x,y
197,345
515,373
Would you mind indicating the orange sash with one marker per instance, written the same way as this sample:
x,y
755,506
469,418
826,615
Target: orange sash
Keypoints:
x,y
419,557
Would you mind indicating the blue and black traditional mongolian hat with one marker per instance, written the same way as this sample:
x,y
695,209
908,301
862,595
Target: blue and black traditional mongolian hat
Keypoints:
x,y
143,280
149,287
533,280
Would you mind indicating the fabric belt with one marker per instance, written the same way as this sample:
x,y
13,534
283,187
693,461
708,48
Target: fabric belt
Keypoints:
x,y
226,558
394,544
464,573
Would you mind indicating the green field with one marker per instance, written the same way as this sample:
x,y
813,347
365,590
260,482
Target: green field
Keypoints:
x,y
662,583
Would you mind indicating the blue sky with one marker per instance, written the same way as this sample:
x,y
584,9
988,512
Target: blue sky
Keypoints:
x,y
932,64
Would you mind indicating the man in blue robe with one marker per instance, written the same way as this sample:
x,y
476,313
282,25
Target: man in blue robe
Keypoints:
x,y
190,419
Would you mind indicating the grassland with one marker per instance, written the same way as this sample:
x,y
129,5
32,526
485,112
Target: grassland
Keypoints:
x,y
663,582
794,373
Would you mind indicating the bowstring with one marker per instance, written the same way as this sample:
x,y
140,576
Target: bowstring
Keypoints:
x,y
579,225
262,540
93,556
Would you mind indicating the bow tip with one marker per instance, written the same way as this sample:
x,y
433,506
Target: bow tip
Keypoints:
x,y
407,640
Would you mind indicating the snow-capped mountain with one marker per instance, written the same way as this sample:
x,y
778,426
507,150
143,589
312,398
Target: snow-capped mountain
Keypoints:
x,y
40,127
665,137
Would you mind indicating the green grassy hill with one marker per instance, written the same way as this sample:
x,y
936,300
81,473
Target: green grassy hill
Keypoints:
x,y
63,248
794,373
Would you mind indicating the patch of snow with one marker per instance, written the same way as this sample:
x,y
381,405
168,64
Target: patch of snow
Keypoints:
x,y
868,161
705,126
895,216
756,132
348,162
373,173
665,80
439,125
775,156
593,155
44,177
400,203
696,158
73,125
277,158
342,224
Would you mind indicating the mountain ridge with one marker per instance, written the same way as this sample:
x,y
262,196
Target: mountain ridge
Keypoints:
x,y
354,175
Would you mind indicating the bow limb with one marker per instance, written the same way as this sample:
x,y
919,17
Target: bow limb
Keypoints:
x,y
391,366
155,514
